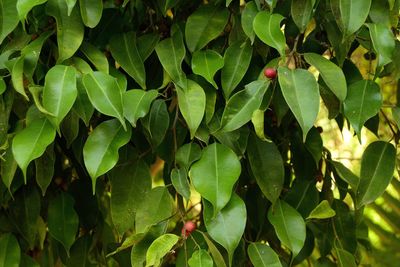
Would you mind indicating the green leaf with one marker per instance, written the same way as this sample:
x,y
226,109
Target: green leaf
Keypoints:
x,y
62,220
8,166
216,254
237,60
204,25
362,103
214,175
267,27
138,253
333,75
171,53
261,255
227,225
345,258
248,14
322,211
59,92
200,258
302,11
70,4
95,56
125,51
240,107
156,207
129,184
31,142
267,166
347,175
27,261
192,104
146,44
300,90
159,248
289,226
187,154
17,76
10,253
137,104
100,152
180,182
91,11
383,42
351,15
44,167
157,122
377,167
70,29
24,6
80,253
105,94
314,144
206,63
8,18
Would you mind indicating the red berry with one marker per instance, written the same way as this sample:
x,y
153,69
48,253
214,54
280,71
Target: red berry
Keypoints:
x,y
188,228
270,73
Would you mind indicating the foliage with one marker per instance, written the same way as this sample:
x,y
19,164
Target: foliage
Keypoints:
x,y
122,120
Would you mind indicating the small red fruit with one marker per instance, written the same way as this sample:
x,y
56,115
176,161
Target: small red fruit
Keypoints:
x,y
270,73
188,228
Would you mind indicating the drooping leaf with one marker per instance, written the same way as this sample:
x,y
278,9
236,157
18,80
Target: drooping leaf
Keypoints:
x,y
146,44
204,25
248,14
200,258
267,27
180,182
8,18
156,122
322,211
377,167
70,29
216,254
362,103
124,49
301,11
206,63
267,166
159,248
240,107
236,62
262,255
31,142
215,173
137,104
44,167
91,11
300,90
192,104
333,75
62,220
314,144
383,42
227,225
24,6
8,166
17,76
98,59
347,175
100,152
10,252
289,225
187,154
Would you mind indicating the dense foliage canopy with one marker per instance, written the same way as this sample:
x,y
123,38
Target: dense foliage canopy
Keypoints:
x,y
122,120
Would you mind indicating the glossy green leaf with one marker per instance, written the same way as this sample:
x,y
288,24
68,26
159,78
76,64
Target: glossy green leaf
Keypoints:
x,y
227,225
17,76
187,154
350,15
301,11
214,175
362,103
157,122
237,60
267,166
322,211
24,6
262,255
125,51
383,42
8,166
159,248
300,90
215,253
98,59
180,182
248,14
137,104
314,144
105,94
333,75
59,92
240,107
91,11
156,207
200,258
129,184
8,18
347,175
70,29
289,226
146,44
10,253
206,63
79,256
377,167
204,25
192,105
171,52
345,258
70,4
31,142
138,253
44,167
267,27
62,220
